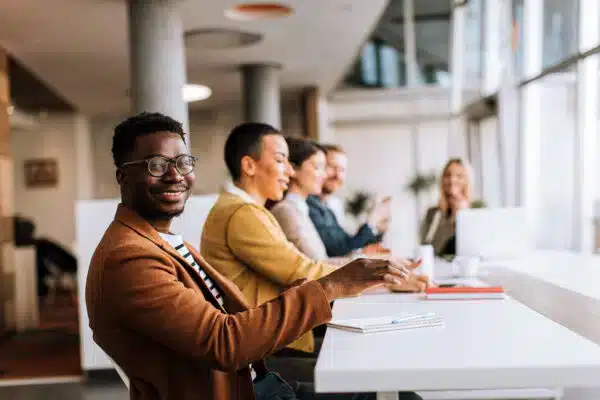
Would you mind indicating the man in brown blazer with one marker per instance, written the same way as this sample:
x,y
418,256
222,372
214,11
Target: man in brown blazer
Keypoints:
x,y
176,327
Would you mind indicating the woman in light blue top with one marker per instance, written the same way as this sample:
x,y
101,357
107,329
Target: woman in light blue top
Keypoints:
x,y
308,161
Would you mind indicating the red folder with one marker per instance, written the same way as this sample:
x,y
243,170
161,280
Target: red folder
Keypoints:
x,y
458,289
465,293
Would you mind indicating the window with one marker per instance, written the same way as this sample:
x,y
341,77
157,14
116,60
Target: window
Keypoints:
x,y
561,24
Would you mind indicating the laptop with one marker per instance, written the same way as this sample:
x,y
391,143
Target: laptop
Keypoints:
x,y
495,235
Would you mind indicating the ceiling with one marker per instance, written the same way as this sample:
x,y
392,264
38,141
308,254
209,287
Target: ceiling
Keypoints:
x,y
80,48
29,94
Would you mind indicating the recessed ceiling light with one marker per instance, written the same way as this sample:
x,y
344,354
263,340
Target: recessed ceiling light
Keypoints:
x,y
256,11
219,38
193,92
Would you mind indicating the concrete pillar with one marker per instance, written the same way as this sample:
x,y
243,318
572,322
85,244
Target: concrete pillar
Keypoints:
x,y
261,94
157,58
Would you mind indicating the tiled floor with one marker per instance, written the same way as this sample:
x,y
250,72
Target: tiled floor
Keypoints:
x,y
50,350
113,389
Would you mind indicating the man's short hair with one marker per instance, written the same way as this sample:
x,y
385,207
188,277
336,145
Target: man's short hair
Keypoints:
x,y
142,124
245,140
332,148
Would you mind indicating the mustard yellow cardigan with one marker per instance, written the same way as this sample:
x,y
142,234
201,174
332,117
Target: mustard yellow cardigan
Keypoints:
x,y
244,242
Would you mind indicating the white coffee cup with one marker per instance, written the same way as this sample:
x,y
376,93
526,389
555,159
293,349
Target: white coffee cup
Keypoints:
x,y
467,266
426,255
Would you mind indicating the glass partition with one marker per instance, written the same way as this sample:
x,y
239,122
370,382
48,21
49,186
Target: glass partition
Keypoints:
x,y
381,62
560,24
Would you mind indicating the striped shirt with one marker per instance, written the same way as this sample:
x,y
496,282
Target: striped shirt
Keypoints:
x,y
177,242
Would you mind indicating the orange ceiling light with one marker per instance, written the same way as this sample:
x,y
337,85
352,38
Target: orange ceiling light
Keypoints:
x,y
258,11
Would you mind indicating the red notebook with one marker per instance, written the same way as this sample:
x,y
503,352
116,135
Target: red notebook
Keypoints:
x,y
465,292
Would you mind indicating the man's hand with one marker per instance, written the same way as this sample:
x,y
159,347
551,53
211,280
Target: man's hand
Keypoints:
x,y
354,278
380,215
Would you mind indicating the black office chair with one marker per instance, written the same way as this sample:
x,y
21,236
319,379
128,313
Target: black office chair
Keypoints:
x,y
55,266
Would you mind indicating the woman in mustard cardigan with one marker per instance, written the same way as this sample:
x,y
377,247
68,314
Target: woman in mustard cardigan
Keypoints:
x,y
241,238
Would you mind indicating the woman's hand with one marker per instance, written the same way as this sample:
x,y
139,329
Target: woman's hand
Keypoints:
x,y
415,284
374,249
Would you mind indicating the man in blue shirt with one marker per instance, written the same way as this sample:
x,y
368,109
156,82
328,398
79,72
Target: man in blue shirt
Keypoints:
x,y
337,241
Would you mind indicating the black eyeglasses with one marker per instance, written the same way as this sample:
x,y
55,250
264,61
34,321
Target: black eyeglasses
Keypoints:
x,y
159,165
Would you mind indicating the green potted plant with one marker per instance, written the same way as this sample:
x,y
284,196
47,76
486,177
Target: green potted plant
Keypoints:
x,y
358,203
422,183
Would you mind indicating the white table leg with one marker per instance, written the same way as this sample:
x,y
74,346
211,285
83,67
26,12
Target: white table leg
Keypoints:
x,y
559,393
387,396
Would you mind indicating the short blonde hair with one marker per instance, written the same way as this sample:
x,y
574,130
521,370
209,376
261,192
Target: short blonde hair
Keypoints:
x,y
467,190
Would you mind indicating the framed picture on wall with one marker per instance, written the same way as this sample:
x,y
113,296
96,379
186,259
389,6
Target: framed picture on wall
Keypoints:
x,y
41,172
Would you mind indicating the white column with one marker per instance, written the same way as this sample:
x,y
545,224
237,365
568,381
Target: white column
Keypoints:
x,y
493,61
529,140
459,19
157,58
410,44
261,94
508,109
457,140
587,129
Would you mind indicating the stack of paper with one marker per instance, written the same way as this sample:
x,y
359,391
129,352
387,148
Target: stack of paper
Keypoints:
x,y
381,324
465,293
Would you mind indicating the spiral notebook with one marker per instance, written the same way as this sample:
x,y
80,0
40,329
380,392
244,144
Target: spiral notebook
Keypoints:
x,y
389,323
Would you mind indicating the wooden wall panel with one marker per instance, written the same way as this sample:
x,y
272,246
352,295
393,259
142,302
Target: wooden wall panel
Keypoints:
x,y
6,182
310,112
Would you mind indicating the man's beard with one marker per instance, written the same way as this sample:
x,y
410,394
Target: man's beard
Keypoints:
x,y
152,212
325,191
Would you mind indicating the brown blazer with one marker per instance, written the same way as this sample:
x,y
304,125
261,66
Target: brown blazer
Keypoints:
x,y
152,313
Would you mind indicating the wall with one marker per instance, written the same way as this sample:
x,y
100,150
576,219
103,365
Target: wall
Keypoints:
x,y
6,197
52,209
390,136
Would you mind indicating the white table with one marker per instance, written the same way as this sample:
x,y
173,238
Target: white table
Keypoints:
x,y
484,345
579,273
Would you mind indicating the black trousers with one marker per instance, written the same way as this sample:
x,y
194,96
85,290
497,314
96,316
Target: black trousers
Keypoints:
x,y
306,391
273,387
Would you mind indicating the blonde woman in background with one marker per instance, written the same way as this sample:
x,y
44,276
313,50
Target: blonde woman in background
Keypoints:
x,y
439,225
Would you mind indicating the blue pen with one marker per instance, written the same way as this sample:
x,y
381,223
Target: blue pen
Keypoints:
x,y
412,317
